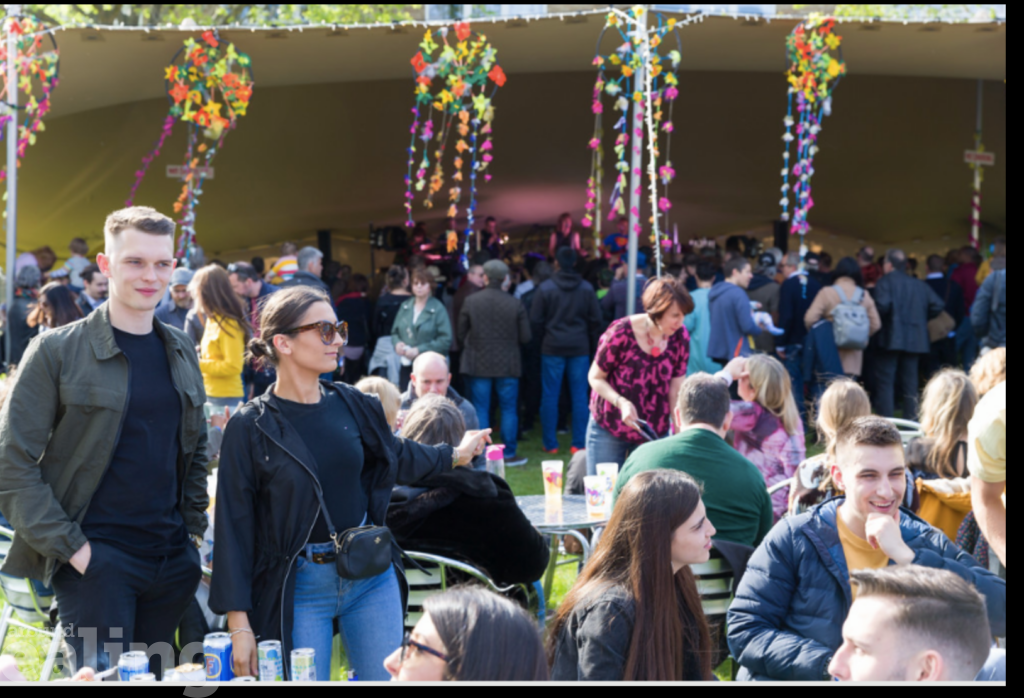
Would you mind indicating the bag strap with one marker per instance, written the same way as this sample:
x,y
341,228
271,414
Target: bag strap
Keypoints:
x,y
842,296
327,517
858,296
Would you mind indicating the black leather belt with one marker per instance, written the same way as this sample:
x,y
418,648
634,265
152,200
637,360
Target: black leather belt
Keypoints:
x,y
322,558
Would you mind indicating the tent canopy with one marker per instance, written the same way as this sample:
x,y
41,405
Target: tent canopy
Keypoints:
x,y
322,146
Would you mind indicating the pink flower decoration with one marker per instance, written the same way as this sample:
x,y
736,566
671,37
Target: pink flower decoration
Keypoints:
x,y
597,107
667,127
487,178
488,157
664,204
488,145
671,93
595,143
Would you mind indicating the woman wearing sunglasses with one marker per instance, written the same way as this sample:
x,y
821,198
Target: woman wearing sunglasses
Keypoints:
x,y
470,634
300,465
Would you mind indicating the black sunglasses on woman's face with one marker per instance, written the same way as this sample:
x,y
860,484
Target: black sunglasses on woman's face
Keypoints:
x,y
327,331
408,642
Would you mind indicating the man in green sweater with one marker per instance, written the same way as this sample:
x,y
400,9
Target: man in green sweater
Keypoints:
x,y
735,494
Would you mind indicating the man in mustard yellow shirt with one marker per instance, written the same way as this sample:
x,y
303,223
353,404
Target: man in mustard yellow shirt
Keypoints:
x,y
786,622
986,460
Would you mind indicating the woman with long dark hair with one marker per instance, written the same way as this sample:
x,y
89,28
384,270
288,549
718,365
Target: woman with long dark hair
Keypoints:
x,y
56,307
470,634
301,465
635,612
226,330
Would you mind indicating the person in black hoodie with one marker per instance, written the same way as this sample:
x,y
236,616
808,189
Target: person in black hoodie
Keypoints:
x,y
431,517
566,315
300,464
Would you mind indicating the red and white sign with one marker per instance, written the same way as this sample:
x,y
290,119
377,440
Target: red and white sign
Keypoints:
x,y
977,157
180,172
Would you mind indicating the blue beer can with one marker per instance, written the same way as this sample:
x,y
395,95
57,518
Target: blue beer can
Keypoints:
x,y
132,664
217,654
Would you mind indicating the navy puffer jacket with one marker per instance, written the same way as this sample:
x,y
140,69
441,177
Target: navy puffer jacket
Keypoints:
x,y
787,619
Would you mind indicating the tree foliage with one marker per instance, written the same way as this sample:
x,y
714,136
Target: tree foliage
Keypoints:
x,y
246,15
954,13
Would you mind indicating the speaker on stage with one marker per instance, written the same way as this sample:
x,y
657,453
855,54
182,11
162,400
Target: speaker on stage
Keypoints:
x,y
781,229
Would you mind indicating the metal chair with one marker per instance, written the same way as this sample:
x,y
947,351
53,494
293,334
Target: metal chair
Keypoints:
x,y
26,602
908,430
781,486
435,580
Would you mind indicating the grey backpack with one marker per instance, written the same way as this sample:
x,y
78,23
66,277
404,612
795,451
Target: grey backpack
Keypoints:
x,y
850,321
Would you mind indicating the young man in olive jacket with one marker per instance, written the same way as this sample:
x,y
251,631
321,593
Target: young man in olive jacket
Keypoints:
x,y
103,457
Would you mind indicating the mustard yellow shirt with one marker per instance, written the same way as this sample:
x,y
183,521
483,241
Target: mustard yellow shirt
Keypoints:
x,y
859,553
222,358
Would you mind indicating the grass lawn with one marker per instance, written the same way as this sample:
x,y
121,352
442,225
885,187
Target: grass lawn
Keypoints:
x,y
30,648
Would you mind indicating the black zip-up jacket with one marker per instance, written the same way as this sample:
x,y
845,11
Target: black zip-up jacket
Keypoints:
x,y
567,316
267,503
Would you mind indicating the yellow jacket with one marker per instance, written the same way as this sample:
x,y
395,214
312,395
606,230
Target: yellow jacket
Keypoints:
x,y
944,503
222,358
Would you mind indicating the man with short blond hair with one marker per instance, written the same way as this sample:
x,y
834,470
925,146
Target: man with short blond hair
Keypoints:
x,y
103,457
786,621
913,624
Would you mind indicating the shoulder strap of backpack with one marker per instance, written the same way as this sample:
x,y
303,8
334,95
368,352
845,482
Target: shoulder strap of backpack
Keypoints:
x,y
858,296
842,296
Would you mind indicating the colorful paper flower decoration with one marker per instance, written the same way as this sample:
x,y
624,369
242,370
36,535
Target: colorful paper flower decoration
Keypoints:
x,y
617,79
455,83
814,73
37,68
209,84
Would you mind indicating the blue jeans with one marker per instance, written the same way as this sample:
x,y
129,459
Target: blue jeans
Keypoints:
x,y
553,368
369,612
508,400
602,447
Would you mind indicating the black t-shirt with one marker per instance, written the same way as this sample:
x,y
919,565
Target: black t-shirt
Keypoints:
x,y
135,507
331,434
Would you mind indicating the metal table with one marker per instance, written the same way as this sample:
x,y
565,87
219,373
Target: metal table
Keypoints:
x,y
559,517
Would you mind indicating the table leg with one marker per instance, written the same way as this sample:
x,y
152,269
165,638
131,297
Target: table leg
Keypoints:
x,y
549,575
584,543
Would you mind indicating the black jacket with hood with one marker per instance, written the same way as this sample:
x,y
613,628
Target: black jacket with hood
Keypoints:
x,y
566,314
267,503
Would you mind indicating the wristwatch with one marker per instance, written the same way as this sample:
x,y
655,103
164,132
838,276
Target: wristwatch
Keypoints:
x,y
455,456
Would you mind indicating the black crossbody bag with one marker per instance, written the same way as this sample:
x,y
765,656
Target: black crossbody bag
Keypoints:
x,y
361,552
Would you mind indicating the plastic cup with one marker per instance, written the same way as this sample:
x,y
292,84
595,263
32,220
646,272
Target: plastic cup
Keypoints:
x,y
609,471
553,510
596,487
552,471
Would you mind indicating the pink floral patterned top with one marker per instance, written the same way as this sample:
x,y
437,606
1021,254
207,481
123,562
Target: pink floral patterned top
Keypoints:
x,y
763,440
639,377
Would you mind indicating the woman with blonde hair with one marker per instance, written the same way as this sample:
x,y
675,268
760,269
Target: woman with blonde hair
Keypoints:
x,y
989,371
946,407
841,404
226,331
766,422
387,393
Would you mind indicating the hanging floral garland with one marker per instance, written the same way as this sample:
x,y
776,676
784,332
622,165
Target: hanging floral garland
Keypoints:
x,y
458,82
209,84
814,73
655,99
34,64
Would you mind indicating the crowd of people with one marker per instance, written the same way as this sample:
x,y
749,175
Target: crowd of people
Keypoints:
x,y
327,404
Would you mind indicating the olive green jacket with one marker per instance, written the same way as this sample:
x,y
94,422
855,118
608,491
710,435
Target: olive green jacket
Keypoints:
x,y
59,428
432,330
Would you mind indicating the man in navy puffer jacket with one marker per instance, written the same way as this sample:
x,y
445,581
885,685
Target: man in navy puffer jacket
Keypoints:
x,y
786,622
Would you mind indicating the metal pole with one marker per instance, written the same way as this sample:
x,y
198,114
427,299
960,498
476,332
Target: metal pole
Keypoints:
x,y
976,199
12,168
636,140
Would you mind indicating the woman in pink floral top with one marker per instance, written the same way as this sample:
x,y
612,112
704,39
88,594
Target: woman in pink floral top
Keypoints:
x,y
766,424
640,366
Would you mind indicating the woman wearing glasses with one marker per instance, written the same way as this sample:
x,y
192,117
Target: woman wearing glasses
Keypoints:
x,y
300,464
470,634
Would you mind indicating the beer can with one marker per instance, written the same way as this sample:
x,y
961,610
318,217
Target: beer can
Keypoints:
x,y
132,664
143,677
303,664
187,673
244,679
217,653
271,660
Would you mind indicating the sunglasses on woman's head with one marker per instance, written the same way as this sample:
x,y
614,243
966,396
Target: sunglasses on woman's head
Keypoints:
x,y
327,330
408,642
